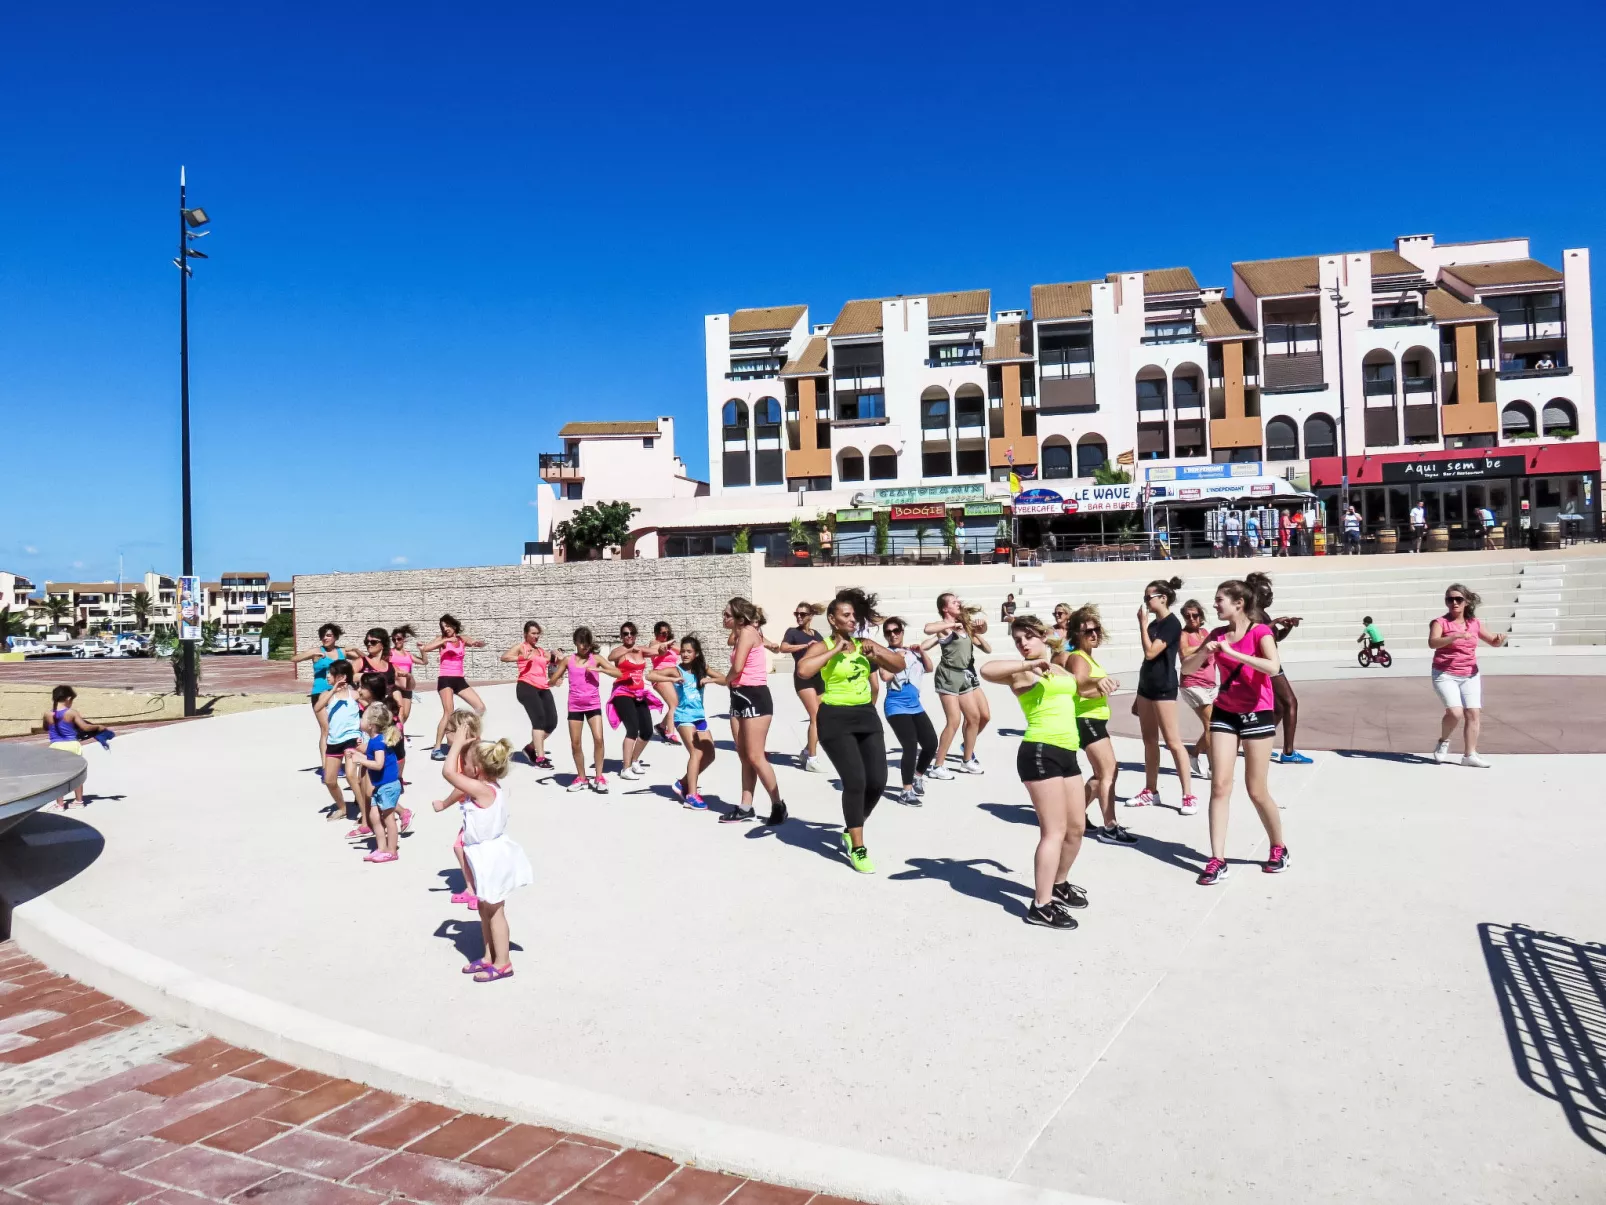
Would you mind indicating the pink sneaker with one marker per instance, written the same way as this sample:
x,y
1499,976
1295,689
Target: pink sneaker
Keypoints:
x,y
599,784
1143,799
377,856
1190,804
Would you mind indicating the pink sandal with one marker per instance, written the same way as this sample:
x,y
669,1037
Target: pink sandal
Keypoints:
x,y
475,967
492,973
362,830
465,897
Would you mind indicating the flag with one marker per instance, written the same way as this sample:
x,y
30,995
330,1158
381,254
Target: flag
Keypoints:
x,y
1127,458
1014,482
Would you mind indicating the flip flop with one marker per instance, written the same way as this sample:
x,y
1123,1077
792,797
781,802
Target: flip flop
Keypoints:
x,y
475,967
491,974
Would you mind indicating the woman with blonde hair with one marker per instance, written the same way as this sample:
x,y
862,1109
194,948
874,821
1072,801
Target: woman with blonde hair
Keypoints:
x,y
752,710
963,702
1093,690
1454,638
796,640
1198,686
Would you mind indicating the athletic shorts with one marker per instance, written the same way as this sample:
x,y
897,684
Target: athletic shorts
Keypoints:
x,y
404,694
1197,696
1092,731
698,725
635,716
1245,725
538,705
453,682
1457,691
387,796
68,746
956,682
582,716
340,749
816,684
751,702
1035,762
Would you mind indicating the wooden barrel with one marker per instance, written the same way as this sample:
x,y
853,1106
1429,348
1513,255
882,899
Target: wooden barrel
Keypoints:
x,y
1388,540
1549,536
1438,540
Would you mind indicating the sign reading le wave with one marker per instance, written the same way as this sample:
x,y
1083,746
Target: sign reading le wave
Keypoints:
x,y
1467,468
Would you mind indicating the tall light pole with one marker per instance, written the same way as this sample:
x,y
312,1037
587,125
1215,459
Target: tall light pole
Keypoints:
x,y
190,222
1340,308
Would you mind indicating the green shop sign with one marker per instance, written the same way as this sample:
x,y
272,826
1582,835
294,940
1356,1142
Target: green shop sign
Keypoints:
x,y
975,510
863,514
904,495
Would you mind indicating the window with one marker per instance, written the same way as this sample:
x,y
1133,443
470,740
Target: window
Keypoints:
x,y
860,406
808,483
1559,416
1056,460
936,462
1175,330
749,368
571,491
1091,453
1321,436
850,466
1151,393
1517,419
1065,354
767,466
1282,439
971,462
934,412
1396,310
647,443
883,465
1377,377
946,355
736,461
1291,333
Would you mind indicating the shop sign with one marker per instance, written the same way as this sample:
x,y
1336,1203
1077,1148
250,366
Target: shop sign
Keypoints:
x,y
1266,487
979,510
922,510
911,494
1039,502
1206,472
862,514
1092,498
1463,468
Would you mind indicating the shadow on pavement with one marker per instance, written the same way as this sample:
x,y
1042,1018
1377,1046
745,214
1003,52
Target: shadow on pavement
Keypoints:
x,y
1406,759
965,877
39,855
1552,996
465,935
1015,813
822,839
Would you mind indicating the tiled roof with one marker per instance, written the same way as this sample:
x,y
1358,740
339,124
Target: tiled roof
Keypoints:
x,y
1392,263
1446,307
772,318
1505,272
281,587
1223,320
1169,280
1279,277
1012,344
811,363
641,427
1055,303
959,305
91,587
858,318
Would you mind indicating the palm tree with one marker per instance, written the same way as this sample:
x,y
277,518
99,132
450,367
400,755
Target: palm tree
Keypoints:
x,y
57,608
10,626
142,609
922,534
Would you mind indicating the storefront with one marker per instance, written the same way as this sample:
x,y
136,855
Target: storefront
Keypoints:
x,y
1541,493
1078,512
1190,505
915,520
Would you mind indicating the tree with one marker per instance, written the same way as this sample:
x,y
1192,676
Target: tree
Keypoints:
x,y
797,535
950,533
593,528
279,629
1111,474
883,531
10,625
922,534
743,541
142,609
58,608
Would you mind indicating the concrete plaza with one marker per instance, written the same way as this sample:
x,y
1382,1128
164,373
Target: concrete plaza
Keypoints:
x,y
1362,1027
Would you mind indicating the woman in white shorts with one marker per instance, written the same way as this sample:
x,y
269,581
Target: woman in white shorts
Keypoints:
x,y
1198,687
1454,637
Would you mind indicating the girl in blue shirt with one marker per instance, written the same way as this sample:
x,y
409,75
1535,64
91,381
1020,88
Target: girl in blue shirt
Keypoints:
x,y
691,721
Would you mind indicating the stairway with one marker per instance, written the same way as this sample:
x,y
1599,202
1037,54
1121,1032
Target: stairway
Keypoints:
x,y
1537,616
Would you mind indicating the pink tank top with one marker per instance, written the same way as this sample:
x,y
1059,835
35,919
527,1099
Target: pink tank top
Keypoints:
x,y
452,659
666,658
1243,687
585,692
755,670
1460,658
402,661
532,668
1205,675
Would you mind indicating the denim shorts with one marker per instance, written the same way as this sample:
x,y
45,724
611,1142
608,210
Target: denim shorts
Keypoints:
x,y
387,796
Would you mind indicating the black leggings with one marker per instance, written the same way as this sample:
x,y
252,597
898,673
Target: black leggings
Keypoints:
x,y
919,741
635,716
852,739
538,705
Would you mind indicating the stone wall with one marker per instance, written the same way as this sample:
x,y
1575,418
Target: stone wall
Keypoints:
x,y
493,603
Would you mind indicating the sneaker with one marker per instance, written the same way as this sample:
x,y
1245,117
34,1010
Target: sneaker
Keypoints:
x,y
1190,804
1276,756
1143,799
908,798
940,773
803,758
439,754
738,816
599,784
695,803
1215,870
1194,767
1441,752
630,772
1050,917
816,765
920,785
1113,834
778,813
543,762
679,788
859,859
581,783
1277,861
1472,759
529,751
1295,759
973,766
1069,895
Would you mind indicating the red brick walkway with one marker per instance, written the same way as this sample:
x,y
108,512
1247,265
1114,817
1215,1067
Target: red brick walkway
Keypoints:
x,y
213,1123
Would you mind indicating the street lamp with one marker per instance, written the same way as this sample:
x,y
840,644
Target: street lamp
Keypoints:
x,y
190,222
1340,306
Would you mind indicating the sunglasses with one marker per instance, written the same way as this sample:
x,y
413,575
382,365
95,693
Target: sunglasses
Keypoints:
x,y
1454,598
370,641
893,631
1090,631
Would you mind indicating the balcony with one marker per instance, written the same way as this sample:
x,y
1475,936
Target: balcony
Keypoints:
x,y
1382,427
1418,385
1401,320
754,369
1378,387
1288,373
1545,324
560,466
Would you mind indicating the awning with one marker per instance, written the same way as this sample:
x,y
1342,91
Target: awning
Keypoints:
x,y
1233,489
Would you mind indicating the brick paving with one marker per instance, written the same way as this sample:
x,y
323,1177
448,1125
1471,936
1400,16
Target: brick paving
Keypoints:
x,y
209,1123
219,675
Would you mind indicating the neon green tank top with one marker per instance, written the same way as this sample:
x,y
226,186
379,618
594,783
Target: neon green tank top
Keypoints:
x,y
847,679
1050,709
1092,709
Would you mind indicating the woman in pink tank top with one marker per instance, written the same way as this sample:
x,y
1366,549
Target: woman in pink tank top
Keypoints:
x,y
406,669
629,702
1454,637
665,654
533,691
450,684
584,670
1244,715
752,709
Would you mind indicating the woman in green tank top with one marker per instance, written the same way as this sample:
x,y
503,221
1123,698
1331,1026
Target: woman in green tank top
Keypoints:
x,y
1093,690
1047,764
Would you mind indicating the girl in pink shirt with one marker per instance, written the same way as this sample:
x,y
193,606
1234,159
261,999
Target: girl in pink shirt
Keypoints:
x,y
583,670
534,692
1454,637
1245,652
450,683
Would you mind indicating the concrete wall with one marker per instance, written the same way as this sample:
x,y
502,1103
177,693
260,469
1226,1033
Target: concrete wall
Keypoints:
x,y
494,602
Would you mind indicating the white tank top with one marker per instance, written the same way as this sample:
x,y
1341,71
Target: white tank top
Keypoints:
x,y
484,824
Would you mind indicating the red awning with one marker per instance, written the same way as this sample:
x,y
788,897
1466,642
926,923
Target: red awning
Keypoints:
x,y
1574,456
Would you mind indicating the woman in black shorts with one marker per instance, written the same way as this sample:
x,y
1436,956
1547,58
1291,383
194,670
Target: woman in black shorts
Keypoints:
x,y
1093,690
534,691
451,682
1159,634
752,710
796,641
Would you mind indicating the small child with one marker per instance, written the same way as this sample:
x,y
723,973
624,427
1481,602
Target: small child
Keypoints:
x,y
382,771
66,728
471,721
1373,635
476,769
689,678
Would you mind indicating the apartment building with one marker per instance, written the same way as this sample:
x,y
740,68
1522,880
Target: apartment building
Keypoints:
x,y
1412,355
16,592
241,601
238,602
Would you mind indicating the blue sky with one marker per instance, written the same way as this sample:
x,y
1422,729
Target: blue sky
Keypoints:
x,y
438,236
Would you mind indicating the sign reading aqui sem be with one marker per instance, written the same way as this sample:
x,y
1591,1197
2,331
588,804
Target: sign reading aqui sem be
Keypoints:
x,y
859,514
1467,468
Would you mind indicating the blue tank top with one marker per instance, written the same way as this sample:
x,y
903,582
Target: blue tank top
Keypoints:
x,y
320,669
61,729
345,721
689,708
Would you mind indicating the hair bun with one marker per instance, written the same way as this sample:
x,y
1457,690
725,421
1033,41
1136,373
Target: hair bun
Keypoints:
x,y
1176,583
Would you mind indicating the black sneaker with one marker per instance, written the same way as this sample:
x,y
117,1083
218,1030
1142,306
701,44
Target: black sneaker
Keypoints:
x,y
738,815
778,814
1050,917
1278,861
1070,895
1113,834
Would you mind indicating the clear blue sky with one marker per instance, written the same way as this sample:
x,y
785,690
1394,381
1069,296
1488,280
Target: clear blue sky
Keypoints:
x,y
439,234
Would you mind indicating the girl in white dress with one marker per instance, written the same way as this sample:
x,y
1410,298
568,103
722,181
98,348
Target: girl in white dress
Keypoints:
x,y
476,769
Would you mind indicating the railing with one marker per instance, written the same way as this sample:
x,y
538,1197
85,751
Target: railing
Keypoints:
x,y
1418,384
1186,337
1378,387
559,461
1517,374
1299,371
1402,320
967,358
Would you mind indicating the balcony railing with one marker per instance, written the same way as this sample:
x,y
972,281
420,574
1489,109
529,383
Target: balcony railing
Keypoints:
x,y
1402,320
959,361
1418,384
559,466
1517,374
1542,327
1378,388
1173,337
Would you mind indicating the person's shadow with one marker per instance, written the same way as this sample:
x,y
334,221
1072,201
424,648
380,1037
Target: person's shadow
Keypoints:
x,y
452,881
965,877
466,936
1015,813
811,835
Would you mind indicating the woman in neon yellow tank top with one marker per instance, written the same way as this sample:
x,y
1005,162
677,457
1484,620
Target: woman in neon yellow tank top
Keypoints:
x,y
1094,688
1047,765
850,729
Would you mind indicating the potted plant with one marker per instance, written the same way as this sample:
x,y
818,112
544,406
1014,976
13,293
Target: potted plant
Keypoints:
x,y
883,532
950,536
743,540
797,535
1563,432
1001,540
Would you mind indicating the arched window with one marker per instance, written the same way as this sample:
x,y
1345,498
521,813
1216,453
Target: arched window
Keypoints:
x,y
768,467
1055,457
1559,415
1091,453
1151,393
1517,419
1321,436
766,412
849,465
1377,375
883,464
737,462
1282,439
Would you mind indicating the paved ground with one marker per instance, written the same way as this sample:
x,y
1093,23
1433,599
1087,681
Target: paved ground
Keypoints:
x,y
100,1105
1356,1018
219,675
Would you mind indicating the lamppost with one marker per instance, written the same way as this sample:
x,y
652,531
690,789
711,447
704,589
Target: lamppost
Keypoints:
x,y
1340,307
190,222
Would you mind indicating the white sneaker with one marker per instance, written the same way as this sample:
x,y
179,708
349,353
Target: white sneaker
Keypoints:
x,y
803,757
816,765
1194,766
973,766
1441,752
940,773
1472,759
580,784
630,772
